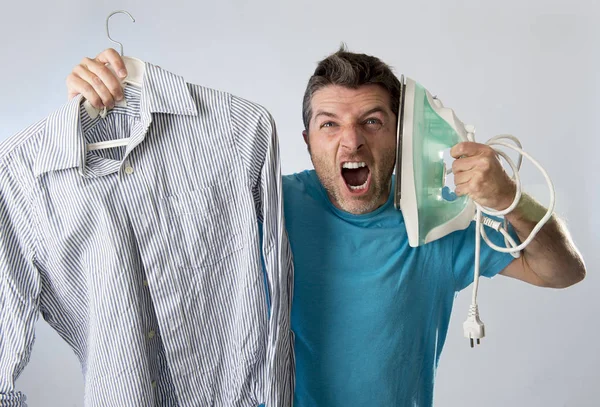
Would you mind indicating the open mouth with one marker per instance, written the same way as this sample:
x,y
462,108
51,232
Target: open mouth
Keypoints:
x,y
356,175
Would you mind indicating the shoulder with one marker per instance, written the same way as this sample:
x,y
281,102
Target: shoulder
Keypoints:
x,y
21,145
19,155
298,182
244,110
299,190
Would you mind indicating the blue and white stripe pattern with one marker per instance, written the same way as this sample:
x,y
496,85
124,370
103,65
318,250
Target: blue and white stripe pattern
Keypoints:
x,y
146,259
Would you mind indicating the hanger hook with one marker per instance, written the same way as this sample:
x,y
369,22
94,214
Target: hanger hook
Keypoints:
x,y
108,32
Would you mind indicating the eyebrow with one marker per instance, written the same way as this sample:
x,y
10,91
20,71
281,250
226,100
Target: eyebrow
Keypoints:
x,y
376,109
324,113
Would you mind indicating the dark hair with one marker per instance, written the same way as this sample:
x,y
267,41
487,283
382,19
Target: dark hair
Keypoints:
x,y
352,71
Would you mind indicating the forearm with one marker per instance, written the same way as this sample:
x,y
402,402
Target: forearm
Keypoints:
x,y
551,255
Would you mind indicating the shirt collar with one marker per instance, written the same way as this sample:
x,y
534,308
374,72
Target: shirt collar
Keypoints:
x,y
62,145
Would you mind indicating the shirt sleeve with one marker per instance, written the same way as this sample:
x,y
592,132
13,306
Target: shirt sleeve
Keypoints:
x,y
261,153
19,285
492,262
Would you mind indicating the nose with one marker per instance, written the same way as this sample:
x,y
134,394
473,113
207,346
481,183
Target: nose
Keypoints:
x,y
352,138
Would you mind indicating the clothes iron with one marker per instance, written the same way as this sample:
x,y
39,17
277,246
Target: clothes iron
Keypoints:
x,y
426,129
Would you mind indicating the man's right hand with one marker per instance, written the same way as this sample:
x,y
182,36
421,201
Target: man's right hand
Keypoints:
x,y
92,79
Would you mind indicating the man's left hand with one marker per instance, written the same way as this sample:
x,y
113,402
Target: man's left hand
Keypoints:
x,y
478,173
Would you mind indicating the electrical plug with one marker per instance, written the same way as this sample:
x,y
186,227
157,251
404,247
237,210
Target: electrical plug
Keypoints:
x,y
473,328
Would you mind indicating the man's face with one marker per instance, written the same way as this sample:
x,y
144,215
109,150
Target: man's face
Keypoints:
x,y
352,144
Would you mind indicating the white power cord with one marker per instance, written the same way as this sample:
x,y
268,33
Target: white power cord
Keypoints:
x,y
473,327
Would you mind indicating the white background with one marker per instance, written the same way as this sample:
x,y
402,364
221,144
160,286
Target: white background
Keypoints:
x,y
529,68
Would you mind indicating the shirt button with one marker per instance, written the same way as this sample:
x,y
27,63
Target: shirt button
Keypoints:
x,y
128,170
145,283
151,334
154,384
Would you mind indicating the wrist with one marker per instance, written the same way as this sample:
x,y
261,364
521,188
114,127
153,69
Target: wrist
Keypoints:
x,y
508,197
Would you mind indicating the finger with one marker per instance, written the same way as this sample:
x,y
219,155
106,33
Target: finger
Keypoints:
x,y
469,186
463,164
106,76
112,57
465,149
462,178
460,190
96,83
76,86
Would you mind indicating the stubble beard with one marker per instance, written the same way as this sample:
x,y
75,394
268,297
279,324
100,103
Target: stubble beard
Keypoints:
x,y
381,176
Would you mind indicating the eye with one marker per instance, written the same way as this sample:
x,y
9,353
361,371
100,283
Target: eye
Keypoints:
x,y
372,121
328,124
373,124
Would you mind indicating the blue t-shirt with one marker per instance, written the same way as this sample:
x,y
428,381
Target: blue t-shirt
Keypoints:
x,y
369,312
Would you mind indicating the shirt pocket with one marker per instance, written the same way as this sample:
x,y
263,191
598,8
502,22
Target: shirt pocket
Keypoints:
x,y
204,225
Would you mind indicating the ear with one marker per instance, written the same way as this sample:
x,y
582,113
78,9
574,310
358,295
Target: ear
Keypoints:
x,y
305,135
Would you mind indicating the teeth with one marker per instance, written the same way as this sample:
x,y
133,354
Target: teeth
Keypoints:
x,y
354,165
363,186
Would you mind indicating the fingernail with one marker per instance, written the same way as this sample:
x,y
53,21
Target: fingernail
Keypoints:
x,y
119,98
122,73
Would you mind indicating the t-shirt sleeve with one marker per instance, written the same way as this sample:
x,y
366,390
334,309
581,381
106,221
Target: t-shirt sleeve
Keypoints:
x,y
463,255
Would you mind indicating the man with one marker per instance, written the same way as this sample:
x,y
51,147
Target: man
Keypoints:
x,y
370,313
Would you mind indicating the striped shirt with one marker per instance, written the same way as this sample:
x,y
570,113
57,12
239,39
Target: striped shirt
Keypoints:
x,y
146,259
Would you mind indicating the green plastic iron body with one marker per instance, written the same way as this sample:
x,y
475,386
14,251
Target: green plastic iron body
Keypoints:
x,y
426,129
